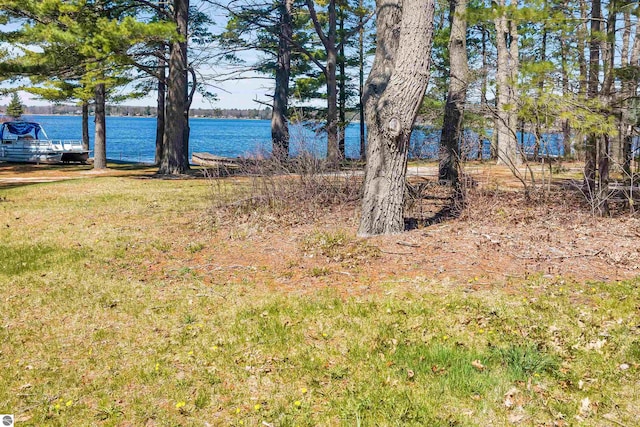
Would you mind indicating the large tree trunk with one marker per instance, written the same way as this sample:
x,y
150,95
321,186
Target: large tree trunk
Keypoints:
x,y
393,94
174,156
591,149
630,85
329,41
85,125
506,81
100,139
483,95
566,126
279,123
582,34
160,113
333,146
537,124
604,142
363,152
162,95
454,109
342,98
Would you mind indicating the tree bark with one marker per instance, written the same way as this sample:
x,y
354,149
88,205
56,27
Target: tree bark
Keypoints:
x,y
393,94
279,121
483,95
604,142
506,81
591,149
160,114
538,124
566,126
452,128
329,41
100,139
342,98
85,125
630,86
363,152
582,34
333,146
174,157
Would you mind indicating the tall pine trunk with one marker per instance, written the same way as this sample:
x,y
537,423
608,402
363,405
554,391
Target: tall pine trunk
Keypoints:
x,y
604,142
363,152
174,158
483,96
630,85
454,109
329,41
279,121
342,98
506,79
393,95
591,148
85,125
538,125
160,113
566,125
333,146
100,139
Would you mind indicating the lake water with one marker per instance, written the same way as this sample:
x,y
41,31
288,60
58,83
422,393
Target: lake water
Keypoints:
x,y
133,138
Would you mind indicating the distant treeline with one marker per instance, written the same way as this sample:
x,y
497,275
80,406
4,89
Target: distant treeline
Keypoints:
x,y
128,110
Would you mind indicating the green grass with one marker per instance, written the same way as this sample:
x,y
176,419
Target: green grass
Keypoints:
x,y
94,332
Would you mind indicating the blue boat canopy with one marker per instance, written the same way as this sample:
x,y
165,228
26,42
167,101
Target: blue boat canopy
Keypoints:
x,y
23,128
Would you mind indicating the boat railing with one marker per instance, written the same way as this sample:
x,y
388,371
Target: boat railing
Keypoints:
x,y
67,144
29,142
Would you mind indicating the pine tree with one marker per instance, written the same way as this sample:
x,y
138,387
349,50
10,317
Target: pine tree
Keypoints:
x,y
15,108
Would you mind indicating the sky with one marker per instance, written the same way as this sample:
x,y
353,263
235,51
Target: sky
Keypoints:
x,y
231,94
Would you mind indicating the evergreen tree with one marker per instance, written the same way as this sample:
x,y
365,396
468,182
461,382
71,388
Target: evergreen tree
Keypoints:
x,y
15,108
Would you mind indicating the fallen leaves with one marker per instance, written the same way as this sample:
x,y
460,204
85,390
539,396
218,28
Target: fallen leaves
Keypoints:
x,y
510,397
478,365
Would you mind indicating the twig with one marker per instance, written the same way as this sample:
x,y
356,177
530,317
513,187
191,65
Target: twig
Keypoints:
x,y
411,245
28,408
396,253
610,418
540,257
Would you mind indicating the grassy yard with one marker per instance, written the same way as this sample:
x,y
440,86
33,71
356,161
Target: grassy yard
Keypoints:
x,y
105,321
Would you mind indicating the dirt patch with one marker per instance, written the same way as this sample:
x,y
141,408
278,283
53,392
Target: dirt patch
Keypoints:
x,y
501,238
498,238
16,174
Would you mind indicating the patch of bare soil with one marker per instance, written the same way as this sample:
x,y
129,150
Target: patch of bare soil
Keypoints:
x,y
17,174
498,238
